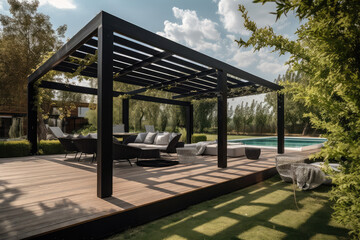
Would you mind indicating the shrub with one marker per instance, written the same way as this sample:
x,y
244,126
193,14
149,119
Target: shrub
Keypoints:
x,y
183,134
50,147
198,138
14,148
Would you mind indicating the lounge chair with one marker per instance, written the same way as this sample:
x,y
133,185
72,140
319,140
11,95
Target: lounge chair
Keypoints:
x,y
149,128
57,132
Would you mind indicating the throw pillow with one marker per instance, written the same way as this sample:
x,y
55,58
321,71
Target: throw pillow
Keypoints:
x,y
141,137
150,138
172,135
162,139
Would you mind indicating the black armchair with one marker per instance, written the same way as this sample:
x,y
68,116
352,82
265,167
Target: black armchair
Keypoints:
x,y
124,152
87,146
69,145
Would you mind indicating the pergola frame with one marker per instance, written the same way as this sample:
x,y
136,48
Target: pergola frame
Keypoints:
x,y
130,54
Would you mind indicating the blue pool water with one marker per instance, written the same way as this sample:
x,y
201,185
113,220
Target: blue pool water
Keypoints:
x,y
289,142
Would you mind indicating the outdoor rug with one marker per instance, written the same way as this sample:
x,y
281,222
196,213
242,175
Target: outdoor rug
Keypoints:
x,y
156,163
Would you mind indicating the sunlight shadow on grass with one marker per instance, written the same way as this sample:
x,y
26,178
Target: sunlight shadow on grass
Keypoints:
x,y
184,219
175,237
295,218
260,232
274,197
248,210
228,202
215,226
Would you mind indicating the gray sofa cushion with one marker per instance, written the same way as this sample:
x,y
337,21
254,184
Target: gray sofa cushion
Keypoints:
x,y
150,138
141,137
162,139
138,145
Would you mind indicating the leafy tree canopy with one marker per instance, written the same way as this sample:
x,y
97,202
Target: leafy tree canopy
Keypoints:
x,y
327,53
25,38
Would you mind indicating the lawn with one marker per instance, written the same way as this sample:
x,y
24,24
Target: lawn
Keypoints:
x,y
262,211
213,137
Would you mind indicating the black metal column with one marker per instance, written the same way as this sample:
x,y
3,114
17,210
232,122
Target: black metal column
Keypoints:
x,y
105,112
32,118
280,123
222,119
189,122
125,113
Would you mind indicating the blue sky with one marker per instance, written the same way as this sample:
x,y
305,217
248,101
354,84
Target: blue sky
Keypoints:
x,y
209,26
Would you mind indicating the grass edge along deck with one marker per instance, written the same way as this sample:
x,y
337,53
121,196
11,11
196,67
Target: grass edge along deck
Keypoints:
x,y
119,221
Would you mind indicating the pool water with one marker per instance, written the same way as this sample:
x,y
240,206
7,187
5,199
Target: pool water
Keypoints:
x,y
289,142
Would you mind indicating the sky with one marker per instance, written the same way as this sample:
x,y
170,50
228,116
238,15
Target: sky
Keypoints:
x,y
208,26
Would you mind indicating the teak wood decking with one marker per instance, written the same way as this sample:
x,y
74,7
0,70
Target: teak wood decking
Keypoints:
x,y
53,197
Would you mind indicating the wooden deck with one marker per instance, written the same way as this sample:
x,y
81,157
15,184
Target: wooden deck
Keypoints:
x,y
48,194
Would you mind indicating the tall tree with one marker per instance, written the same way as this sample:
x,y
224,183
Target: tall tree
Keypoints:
x,y
261,117
327,53
295,110
203,114
26,37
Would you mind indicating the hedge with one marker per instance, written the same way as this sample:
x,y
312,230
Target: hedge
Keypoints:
x,y
50,147
22,148
14,148
198,138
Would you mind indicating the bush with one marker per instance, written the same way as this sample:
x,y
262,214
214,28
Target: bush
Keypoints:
x,y
50,147
14,148
198,138
346,198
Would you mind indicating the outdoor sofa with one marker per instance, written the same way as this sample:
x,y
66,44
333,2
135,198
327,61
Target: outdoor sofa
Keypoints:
x,y
165,142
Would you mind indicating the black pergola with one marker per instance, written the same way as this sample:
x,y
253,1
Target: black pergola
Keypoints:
x,y
132,55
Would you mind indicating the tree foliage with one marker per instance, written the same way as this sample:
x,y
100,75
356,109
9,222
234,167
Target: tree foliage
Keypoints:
x,y
25,38
295,110
327,54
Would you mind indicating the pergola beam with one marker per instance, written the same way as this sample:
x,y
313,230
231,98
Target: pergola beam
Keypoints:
x,y
173,81
104,154
280,123
93,91
74,43
222,120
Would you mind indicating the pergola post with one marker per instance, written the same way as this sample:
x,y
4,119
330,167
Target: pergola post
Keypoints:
x,y
280,123
105,111
32,118
189,122
125,113
222,119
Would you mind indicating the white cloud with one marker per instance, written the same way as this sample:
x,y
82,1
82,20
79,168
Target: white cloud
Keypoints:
x,y
244,58
232,19
61,4
272,67
200,34
1,6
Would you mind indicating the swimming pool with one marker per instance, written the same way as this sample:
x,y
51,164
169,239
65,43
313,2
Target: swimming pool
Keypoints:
x,y
290,142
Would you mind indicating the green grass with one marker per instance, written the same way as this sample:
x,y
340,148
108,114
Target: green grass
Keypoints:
x,y
213,137
263,211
